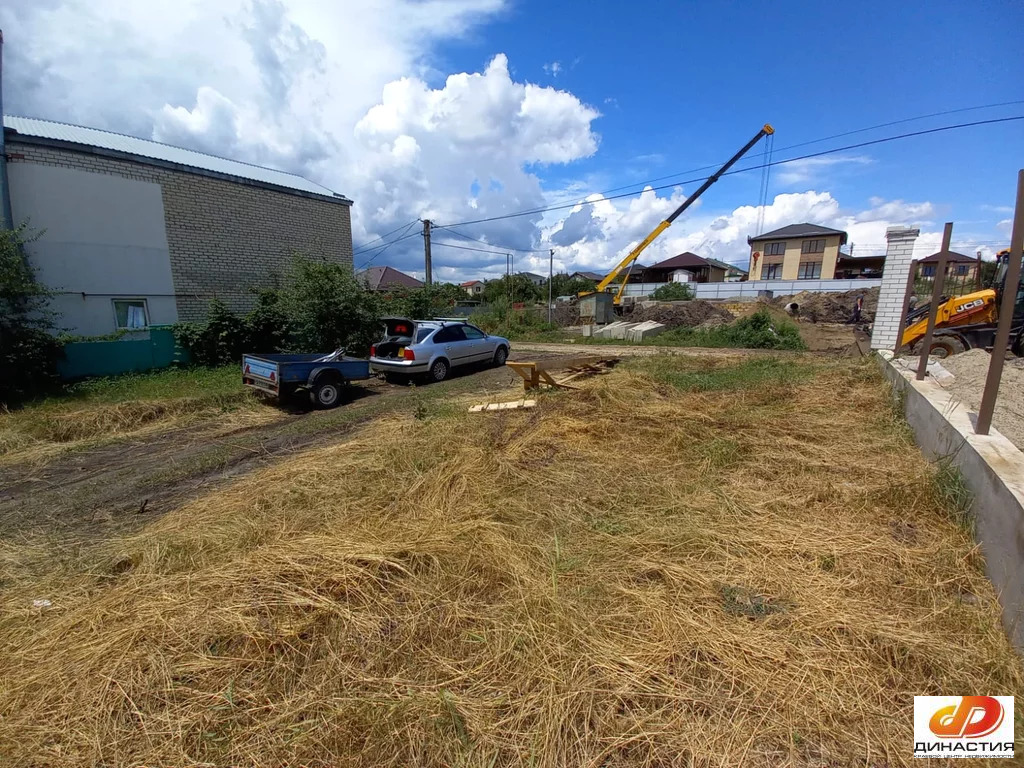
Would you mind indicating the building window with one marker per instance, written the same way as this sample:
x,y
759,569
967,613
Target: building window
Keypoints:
x,y
772,272
810,270
813,246
774,249
928,270
961,269
131,314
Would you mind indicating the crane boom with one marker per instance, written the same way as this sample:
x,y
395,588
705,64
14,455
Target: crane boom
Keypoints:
x,y
767,130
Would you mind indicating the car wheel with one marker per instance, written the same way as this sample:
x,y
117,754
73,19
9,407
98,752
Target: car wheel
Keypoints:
x,y
326,394
500,356
439,371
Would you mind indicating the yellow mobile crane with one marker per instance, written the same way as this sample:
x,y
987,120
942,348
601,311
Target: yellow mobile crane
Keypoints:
x,y
767,130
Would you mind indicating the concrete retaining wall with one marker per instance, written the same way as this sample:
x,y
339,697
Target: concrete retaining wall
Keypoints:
x,y
993,469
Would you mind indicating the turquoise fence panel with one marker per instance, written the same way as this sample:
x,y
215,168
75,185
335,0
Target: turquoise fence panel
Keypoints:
x,y
151,349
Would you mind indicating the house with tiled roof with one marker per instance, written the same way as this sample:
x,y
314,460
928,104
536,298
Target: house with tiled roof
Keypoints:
x,y
387,279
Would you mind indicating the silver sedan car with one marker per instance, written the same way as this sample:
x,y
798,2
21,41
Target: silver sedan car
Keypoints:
x,y
433,347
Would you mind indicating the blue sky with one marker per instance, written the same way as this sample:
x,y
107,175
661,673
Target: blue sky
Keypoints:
x,y
682,85
691,81
464,109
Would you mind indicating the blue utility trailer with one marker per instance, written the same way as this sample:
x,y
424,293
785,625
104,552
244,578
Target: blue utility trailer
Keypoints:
x,y
322,376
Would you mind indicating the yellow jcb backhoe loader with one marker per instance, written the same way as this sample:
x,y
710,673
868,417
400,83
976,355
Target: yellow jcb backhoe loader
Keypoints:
x,y
968,321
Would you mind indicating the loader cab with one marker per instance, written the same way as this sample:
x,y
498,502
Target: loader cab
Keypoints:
x,y
999,284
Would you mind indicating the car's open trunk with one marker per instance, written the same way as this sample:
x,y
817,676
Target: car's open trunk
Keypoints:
x,y
398,333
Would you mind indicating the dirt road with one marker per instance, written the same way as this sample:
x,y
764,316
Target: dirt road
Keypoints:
x,y
124,483
536,350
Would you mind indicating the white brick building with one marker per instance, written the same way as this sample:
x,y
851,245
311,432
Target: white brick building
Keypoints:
x,y
136,233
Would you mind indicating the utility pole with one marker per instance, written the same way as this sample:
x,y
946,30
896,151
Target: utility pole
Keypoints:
x,y
426,250
551,274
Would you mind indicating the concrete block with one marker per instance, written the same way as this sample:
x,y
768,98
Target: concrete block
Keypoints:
x,y
588,330
647,330
606,331
622,329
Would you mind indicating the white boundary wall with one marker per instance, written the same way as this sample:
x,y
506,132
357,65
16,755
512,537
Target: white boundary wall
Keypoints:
x,y
898,255
752,288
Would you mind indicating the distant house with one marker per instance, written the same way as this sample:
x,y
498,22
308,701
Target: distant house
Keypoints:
x,y
685,268
957,265
594,276
474,288
797,252
386,279
533,277
859,267
732,273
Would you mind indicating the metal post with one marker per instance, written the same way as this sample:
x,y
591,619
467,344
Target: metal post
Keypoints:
x,y
551,274
6,217
911,278
933,310
977,274
426,250
1012,281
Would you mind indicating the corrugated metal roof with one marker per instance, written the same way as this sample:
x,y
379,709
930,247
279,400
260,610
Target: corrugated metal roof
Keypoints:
x,y
118,142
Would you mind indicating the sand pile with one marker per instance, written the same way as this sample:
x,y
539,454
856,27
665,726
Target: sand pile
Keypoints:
x,y
970,370
831,307
678,314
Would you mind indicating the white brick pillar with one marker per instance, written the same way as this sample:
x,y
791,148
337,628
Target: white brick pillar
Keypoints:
x,y
898,254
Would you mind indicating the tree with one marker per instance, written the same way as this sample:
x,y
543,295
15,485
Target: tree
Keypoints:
x,y
522,290
673,292
563,285
28,349
425,302
328,308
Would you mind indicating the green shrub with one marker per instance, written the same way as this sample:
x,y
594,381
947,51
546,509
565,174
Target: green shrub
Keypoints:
x,y
267,324
757,331
28,349
502,319
673,292
423,303
328,308
221,339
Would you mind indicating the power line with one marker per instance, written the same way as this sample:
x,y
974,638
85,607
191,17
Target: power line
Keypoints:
x,y
818,141
743,170
469,248
494,245
363,248
386,246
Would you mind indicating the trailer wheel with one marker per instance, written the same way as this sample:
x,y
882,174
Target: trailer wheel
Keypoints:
x,y
326,394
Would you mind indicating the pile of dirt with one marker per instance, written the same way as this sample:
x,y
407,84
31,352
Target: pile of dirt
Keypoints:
x,y
830,307
679,314
565,314
970,369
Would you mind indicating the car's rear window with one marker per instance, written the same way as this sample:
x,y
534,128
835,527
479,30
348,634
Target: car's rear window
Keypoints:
x,y
422,333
